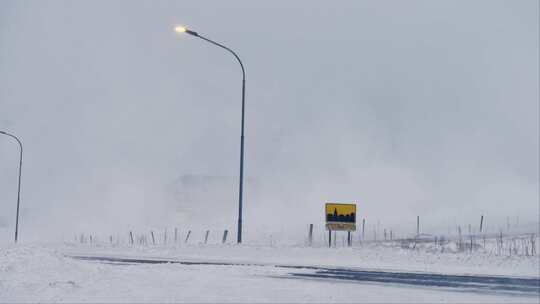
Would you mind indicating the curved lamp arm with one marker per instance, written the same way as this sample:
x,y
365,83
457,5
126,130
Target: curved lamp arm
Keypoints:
x,y
193,33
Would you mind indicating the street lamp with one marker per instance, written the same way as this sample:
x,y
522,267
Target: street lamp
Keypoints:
x,y
183,29
19,188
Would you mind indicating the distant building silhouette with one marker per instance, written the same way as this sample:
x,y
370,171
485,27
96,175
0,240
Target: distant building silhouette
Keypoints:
x,y
200,196
344,218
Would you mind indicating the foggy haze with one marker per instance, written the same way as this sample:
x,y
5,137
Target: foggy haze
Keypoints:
x,y
408,108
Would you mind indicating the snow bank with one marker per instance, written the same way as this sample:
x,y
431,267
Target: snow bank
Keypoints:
x,y
35,272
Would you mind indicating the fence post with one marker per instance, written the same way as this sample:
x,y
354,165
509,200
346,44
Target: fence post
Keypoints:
x,y
165,237
224,239
363,229
175,235
349,243
310,235
187,236
206,236
460,239
153,238
417,225
481,222
533,244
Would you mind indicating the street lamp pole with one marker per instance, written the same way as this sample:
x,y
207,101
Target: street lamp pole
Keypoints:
x,y
181,29
19,187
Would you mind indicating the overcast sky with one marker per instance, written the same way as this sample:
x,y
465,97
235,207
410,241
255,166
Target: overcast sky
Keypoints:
x,y
408,108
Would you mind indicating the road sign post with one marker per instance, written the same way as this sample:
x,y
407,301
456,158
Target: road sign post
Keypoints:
x,y
329,238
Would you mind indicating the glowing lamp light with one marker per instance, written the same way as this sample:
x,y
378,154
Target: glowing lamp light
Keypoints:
x,y
180,29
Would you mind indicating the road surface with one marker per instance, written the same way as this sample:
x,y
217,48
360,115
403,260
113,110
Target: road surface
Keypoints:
x,y
472,283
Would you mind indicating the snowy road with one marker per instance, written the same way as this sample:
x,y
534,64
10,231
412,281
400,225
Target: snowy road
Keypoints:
x,y
247,274
472,283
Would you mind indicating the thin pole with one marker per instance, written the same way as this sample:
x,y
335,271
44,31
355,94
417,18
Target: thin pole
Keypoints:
x,y
19,186
241,182
417,225
241,186
310,235
329,238
363,229
481,222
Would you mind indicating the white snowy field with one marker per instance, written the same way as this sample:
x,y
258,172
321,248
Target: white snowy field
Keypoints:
x,y
45,273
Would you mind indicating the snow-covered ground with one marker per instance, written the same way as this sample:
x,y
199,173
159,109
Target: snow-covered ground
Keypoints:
x,y
45,273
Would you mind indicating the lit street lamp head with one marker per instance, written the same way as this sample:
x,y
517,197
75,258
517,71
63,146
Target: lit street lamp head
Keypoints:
x,y
182,29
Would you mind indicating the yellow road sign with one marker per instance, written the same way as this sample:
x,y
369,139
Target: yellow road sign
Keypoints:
x,y
340,216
